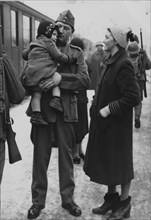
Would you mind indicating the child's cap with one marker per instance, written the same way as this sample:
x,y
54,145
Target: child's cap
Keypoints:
x,y
46,28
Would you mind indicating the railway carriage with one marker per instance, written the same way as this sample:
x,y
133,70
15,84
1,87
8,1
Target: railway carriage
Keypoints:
x,y
19,26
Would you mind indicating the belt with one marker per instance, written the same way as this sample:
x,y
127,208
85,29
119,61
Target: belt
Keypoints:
x,y
68,92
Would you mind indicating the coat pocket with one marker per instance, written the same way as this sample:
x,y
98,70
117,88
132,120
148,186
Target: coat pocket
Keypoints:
x,y
104,123
70,108
73,101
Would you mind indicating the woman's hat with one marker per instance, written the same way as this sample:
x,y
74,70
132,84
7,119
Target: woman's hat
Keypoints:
x,y
120,35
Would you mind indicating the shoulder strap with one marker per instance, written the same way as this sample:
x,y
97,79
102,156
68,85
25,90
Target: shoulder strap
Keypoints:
x,y
2,77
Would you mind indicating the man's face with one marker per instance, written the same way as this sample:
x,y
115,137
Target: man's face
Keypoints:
x,y
99,47
65,32
134,56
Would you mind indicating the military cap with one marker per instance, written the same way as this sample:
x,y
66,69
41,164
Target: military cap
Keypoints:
x,y
133,48
99,43
78,42
67,18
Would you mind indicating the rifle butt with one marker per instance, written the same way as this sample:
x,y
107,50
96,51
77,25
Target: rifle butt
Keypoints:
x,y
13,151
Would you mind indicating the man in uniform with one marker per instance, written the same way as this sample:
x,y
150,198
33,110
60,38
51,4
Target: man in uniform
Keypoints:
x,y
73,77
96,64
141,63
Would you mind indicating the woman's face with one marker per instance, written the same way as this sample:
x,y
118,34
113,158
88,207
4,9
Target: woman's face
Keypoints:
x,y
109,42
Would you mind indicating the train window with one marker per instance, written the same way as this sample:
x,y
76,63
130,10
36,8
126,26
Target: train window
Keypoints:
x,y
0,15
26,31
36,27
14,28
1,22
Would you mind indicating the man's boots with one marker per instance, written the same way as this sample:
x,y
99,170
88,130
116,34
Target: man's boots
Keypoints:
x,y
137,123
110,201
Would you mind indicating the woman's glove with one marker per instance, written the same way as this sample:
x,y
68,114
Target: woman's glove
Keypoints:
x,y
104,112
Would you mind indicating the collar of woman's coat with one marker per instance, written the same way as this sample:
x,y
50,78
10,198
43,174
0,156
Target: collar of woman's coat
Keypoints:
x,y
115,57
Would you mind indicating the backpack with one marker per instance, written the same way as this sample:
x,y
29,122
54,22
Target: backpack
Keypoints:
x,y
16,92
137,64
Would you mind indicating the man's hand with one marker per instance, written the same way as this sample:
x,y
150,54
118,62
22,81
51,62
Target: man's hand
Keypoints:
x,y
47,84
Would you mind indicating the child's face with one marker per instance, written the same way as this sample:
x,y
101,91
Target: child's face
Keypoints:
x,y
54,35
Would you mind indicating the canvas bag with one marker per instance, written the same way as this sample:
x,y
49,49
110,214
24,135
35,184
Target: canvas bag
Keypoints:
x,y
16,92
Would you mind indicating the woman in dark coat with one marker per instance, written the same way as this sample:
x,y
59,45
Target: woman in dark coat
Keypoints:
x,y
109,159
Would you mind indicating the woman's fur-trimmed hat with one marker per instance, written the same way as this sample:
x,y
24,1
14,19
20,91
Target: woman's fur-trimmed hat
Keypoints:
x,y
120,35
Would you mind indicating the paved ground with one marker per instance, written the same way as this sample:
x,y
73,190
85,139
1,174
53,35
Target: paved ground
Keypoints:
x,y
15,190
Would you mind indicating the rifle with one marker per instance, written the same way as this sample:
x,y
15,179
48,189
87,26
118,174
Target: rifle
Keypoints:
x,y
13,151
141,37
145,90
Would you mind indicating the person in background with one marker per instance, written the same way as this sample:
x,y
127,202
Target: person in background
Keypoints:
x,y
96,64
141,63
109,159
42,56
11,92
71,78
81,127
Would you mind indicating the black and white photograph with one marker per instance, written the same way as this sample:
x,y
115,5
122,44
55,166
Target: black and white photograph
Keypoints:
x,y
75,134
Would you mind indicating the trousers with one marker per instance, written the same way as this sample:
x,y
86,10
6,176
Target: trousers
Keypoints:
x,y
41,137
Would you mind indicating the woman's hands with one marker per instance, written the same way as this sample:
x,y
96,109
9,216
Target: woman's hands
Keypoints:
x,y
104,112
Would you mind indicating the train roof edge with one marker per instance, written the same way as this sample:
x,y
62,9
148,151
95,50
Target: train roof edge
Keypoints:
x,y
26,8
